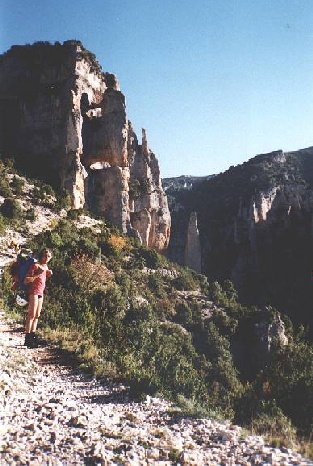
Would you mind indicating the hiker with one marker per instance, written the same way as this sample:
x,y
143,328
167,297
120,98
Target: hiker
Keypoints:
x,y
36,282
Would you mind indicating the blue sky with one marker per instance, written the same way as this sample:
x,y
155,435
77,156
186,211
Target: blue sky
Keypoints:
x,y
214,82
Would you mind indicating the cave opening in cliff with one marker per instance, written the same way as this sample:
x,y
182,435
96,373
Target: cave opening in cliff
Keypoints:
x,y
91,115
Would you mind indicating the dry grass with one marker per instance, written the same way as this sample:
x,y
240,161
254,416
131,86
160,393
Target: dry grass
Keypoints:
x,y
305,447
89,356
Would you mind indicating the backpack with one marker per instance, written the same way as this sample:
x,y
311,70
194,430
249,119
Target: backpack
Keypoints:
x,y
20,269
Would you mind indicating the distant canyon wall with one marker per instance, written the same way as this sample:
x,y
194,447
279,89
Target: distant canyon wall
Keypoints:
x,y
65,121
255,224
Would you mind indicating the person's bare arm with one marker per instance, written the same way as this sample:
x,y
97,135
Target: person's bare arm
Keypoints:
x,y
33,275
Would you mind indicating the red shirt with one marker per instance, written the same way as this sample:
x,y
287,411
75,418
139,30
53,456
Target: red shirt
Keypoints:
x,y
38,285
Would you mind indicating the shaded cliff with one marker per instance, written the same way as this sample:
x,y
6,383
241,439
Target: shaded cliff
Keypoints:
x,y
65,122
255,228
184,246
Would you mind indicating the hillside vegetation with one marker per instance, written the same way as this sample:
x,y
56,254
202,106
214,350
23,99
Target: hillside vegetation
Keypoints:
x,y
128,313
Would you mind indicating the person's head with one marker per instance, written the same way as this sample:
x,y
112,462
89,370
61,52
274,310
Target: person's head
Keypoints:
x,y
44,256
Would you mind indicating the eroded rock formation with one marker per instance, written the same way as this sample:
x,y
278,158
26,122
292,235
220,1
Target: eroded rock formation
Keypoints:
x,y
65,121
193,248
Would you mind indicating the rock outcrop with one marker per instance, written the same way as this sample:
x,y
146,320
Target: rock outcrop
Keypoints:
x,y
271,334
65,121
193,247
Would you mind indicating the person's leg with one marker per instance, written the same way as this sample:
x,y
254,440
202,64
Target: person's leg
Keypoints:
x,y
37,314
31,315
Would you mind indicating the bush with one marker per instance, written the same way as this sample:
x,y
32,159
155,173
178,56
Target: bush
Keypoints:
x,y
30,214
64,201
5,189
74,214
224,385
184,314
18,185
216,292
43,194
117,242
185,281
156,285
3,225
11,209
290,376
151,258
8,165
271,422
90,276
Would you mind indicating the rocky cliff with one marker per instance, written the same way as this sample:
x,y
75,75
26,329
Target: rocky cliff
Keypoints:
x,y
65,122
255,226
184,247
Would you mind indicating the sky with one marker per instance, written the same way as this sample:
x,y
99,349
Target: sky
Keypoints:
x,y
213,82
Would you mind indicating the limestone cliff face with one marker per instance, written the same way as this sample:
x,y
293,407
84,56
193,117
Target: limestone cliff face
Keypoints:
x,y
193,248
65,120
255,225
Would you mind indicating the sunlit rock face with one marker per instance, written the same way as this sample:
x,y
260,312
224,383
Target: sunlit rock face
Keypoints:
x,y
148,202
65,121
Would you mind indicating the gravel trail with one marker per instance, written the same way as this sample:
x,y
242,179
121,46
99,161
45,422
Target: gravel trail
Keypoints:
x,y
51,414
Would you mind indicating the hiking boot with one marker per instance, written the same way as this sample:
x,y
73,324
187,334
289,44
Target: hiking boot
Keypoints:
x,y
38,341
30,341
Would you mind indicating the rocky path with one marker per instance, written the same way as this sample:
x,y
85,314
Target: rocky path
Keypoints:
x,y
53,415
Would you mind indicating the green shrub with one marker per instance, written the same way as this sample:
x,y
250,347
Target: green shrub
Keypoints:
x,y
37,195
156,285
3,225
6,285
43,194
5,189
63,201
184,314
272,422
30,214
74,214
224,385
18,185
290,377
11,209
151,258
216,292
193,408
8,165
159,358
185,280
230,291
